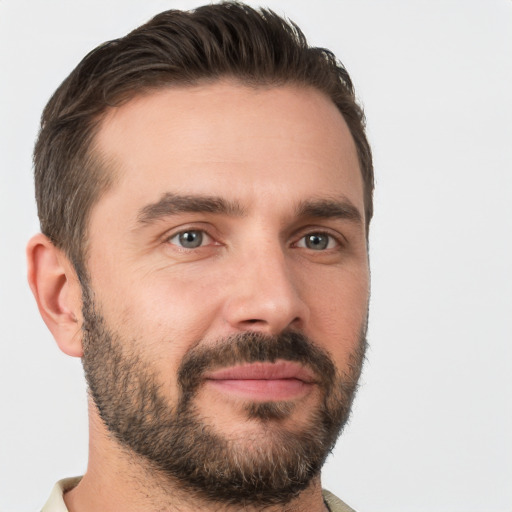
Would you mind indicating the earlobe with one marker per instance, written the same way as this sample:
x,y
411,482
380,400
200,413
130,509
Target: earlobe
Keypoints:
x,y
57,291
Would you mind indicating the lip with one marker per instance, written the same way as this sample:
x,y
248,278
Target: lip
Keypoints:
x,y
264,371
282,380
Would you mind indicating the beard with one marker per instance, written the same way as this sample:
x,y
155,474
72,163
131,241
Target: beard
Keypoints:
x,y
270,466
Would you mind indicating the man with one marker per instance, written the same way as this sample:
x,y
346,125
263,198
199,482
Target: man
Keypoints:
x,y
204,187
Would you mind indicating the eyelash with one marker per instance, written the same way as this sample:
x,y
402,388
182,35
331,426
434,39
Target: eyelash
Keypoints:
x,y
333,242
202,232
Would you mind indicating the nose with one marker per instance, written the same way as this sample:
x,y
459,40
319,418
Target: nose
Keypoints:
x,y
264,295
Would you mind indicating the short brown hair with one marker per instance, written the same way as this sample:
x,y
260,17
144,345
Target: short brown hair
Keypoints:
x,y
256,47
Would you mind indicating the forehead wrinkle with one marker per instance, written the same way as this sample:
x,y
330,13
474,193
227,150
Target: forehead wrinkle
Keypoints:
x,y
172,204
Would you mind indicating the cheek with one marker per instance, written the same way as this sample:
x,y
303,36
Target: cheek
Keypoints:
x,y
166,310
339,308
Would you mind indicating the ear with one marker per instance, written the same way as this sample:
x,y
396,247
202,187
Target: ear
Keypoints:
x,y
56,288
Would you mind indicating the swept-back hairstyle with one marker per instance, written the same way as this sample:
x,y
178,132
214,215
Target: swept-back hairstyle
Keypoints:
x,y
228,40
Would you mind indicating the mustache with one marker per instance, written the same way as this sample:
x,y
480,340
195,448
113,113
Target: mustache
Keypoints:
x,y
253,347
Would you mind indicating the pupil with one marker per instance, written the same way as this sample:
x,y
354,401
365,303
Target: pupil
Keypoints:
x,y
317,242
191,239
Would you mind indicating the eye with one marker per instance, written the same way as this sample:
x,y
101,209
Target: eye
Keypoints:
x,y
190,239
317,241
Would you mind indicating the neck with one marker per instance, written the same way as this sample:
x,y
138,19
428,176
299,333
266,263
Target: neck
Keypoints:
x,y
118,480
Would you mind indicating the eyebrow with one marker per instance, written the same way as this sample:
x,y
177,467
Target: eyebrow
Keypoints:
x,y
172,204
330,209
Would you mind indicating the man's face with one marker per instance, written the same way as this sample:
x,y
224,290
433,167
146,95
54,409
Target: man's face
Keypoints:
x,y
228,277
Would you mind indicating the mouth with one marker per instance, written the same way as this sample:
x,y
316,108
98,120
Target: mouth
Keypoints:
x,y
266,382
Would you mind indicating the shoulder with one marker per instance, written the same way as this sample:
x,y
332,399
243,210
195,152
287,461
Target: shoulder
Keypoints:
x,y
335,504
55,502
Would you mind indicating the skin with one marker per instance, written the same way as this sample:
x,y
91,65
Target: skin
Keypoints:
x,y
266,150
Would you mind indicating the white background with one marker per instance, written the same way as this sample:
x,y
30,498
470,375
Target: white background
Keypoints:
x,y
432,425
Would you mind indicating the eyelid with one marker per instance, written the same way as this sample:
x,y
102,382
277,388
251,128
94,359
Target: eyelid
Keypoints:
x,y
183,229
338,237
301,242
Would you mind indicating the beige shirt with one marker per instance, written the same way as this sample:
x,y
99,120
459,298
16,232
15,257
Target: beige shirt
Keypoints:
x,y
56,503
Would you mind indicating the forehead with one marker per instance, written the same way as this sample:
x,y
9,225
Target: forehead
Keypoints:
x,y
229,139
